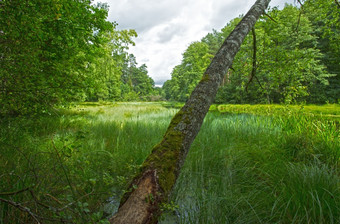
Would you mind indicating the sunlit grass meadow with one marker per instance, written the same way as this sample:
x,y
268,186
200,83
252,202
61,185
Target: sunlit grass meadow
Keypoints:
x,y
242,167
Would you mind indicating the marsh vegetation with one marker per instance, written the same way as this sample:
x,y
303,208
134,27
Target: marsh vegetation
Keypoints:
x,y
244,167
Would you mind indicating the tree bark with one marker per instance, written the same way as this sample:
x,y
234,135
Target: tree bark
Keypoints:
x,y
153,184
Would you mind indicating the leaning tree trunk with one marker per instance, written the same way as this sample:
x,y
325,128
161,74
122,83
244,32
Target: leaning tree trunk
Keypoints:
x,y
158,174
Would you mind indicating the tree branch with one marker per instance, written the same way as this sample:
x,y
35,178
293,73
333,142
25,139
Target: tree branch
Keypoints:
x,y
337,3
271,18
14,192
22,208
299,1
258,81
64,169
253,70
299,19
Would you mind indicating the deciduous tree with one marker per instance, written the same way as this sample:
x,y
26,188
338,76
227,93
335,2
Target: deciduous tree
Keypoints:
x,y
44,50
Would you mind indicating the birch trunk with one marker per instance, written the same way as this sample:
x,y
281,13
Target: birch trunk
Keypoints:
x,y
158,174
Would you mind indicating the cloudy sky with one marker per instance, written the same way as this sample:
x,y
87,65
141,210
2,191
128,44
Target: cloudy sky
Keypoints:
x,y
166,27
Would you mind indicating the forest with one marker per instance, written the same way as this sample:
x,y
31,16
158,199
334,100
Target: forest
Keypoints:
x,y
83,126
291,56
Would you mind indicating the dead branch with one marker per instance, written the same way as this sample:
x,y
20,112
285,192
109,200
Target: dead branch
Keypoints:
x,y
22,208
14,192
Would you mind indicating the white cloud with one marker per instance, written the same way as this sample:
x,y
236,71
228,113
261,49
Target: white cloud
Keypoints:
x,y
166,27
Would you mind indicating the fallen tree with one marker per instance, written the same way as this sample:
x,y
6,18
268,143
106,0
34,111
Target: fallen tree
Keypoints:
x,y
153,184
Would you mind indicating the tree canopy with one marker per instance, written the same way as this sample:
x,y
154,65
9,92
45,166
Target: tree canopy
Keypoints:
x,y
290,56
59,51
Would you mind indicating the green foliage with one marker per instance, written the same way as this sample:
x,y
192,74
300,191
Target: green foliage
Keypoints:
x,y
62,51
135,80
186,76
107,67
287,66
290,63
325,18
44,51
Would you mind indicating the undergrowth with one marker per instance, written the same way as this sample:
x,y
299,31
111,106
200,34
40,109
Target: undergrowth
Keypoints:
x,y
73,167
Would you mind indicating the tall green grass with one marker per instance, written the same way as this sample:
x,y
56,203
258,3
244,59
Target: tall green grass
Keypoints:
x,y
255,169
242,168
75,166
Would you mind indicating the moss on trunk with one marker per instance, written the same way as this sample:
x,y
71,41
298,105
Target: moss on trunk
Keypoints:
x,y
158,174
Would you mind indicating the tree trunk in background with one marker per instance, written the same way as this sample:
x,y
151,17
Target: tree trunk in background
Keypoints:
x,y
153,184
